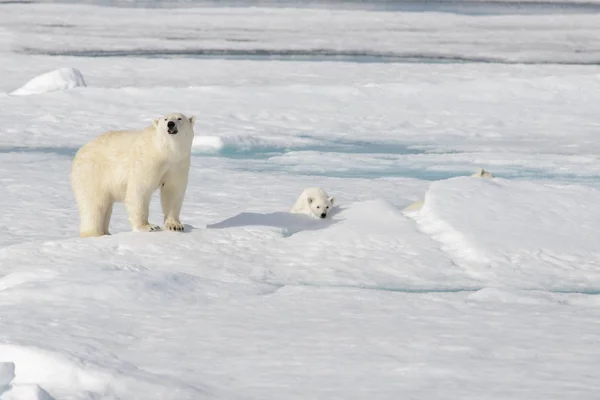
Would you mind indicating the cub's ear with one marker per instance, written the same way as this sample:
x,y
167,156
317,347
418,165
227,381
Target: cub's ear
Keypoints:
x,y
331,200
310,200
155,122
192,120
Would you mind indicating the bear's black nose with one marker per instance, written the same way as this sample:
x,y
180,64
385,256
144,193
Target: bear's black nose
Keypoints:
x,y
323,215
171,125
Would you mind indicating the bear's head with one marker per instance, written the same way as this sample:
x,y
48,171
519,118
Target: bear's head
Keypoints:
x,y
175,125
320,206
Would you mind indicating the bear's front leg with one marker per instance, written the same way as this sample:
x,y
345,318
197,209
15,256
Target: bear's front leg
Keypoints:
x,y
172,193
137,202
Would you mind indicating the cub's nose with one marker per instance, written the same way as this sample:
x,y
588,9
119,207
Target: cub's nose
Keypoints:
x,y
171,125
323,215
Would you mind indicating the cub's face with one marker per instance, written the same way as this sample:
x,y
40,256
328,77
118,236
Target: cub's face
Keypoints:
x,y
175,124
320,207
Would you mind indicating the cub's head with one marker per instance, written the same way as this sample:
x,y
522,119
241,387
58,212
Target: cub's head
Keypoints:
x,y
320,206
175,125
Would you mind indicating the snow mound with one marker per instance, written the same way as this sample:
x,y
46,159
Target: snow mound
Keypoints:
x,y
7,374
517,233
208,144
60,79
14,391
69,377
245,145
334,252
33,367
18,278
234,144
25,392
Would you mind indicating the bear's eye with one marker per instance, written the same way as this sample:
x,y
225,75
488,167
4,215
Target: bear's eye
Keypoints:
x,y
318,207
178,119
165,119
327,208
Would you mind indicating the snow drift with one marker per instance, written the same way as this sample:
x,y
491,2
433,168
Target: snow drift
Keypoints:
x,y
518,233
60,79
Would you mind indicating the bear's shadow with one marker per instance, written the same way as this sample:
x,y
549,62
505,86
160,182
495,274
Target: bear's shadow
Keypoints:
x,y
289,223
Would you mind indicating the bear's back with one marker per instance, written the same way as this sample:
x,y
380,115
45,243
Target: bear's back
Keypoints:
x,y
108,154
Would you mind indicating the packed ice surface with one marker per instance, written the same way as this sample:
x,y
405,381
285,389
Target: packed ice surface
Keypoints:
x,y
60,79
490,291
65,30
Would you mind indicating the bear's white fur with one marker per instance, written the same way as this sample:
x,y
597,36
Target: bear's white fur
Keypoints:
x,y
128,166
313,202
417,205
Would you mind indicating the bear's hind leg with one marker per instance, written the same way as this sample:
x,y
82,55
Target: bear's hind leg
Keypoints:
x,y
107,215
93,221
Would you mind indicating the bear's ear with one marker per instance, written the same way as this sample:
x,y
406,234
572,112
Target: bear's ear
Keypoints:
x,y
331,200
192,120
155,122
310,200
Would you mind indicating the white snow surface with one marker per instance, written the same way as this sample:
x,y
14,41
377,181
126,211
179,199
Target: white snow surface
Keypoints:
x,y
60,79
490,291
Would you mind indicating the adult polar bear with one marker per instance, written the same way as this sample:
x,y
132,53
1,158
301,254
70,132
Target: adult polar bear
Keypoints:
x,y
129,166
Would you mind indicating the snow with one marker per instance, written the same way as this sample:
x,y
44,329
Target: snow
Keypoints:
x,y
489,291
60,79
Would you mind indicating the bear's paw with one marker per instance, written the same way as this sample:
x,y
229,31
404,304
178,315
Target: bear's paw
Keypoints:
x,y
174,226
148,228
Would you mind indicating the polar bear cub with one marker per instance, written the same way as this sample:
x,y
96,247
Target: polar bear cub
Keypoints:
x,y
128,166
313,202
